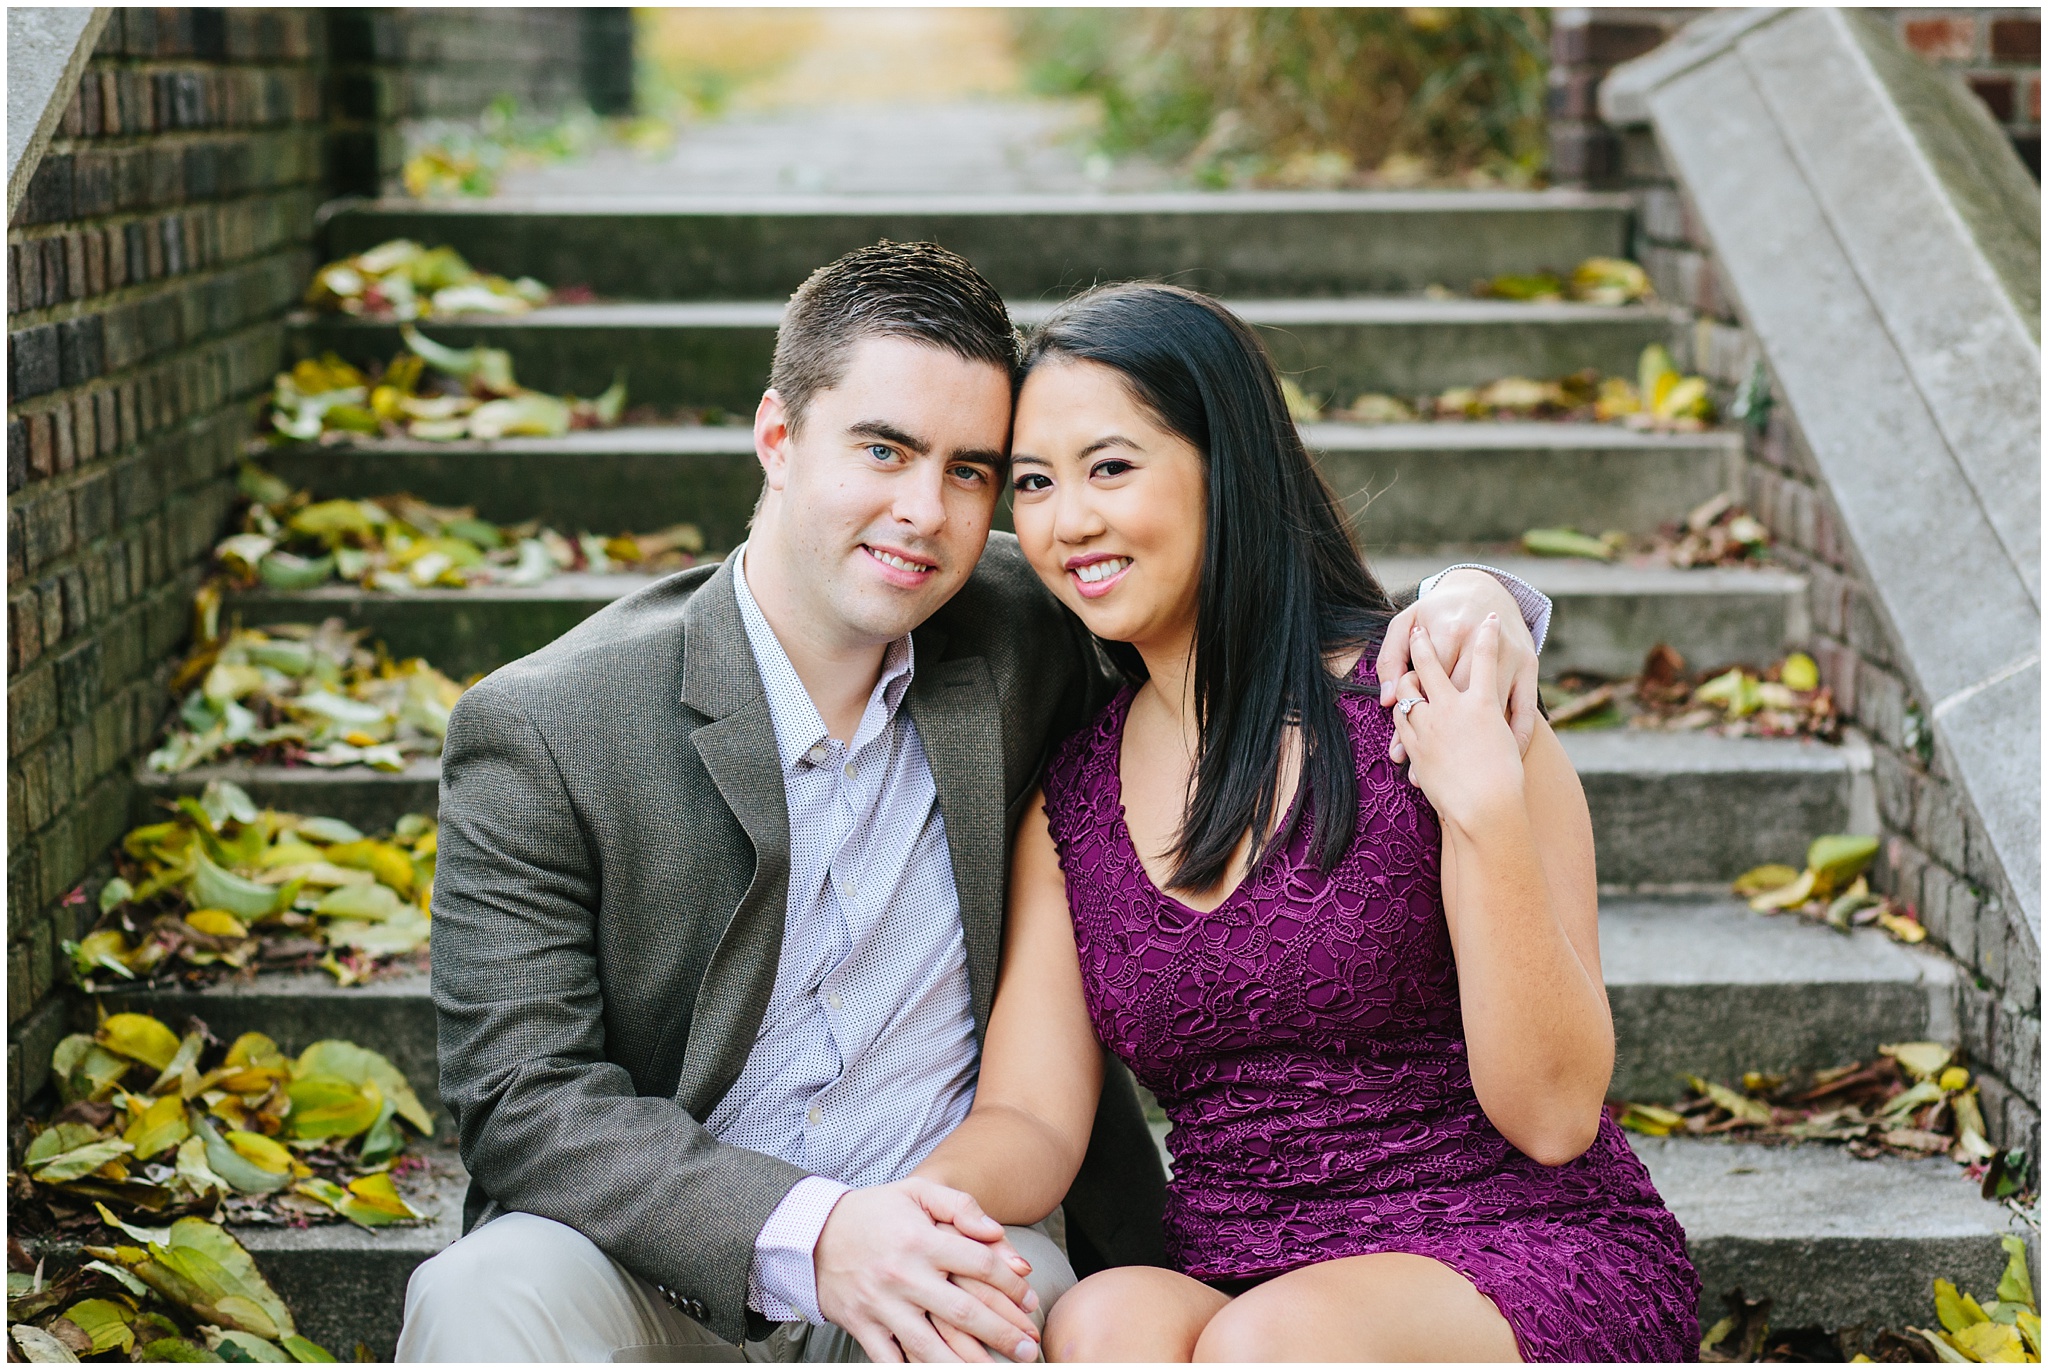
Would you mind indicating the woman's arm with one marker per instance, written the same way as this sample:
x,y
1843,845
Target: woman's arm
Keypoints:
x,y
1520,896
1041,1068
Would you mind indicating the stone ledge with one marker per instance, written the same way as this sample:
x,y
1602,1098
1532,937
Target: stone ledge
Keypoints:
x,y
1882,242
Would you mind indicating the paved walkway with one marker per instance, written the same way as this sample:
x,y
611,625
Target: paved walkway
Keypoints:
x,y
857,101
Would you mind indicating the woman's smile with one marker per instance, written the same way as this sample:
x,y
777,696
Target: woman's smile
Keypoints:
x,y
1097,574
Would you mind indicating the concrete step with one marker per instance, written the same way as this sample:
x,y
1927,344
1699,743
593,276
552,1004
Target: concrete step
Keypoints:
x,y
1670,810
369,799
1705,986
1690,809
1427,485
1029,246
718,353
1700,985
1407,485
1606,616
1834,1242
346,1285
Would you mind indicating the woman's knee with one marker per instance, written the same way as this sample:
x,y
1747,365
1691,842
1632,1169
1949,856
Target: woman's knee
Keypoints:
x,y
1129,1313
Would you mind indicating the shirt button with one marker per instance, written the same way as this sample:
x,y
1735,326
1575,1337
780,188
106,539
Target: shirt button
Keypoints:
x,y
817,1115
834,1002
817,755
849,770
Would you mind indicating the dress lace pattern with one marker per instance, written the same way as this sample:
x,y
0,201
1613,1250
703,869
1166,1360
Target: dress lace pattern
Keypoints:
x,y
1305,1040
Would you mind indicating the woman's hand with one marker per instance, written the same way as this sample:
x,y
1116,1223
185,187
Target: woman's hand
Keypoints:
x,y
1462,753
1451,614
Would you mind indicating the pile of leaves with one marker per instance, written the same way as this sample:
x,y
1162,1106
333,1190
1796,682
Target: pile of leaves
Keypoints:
x,y
1597,280
158,1125
1831,890
431,393
2004,1329
1785,699
1718,532
401,280
400,544
297,694
187,1292
221,886
1910,1101
1660,399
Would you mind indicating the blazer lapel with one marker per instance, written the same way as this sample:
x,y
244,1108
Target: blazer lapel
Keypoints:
x,y
737,747
959,719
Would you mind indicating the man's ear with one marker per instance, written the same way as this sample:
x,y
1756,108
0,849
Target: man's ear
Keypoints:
x,y
772,438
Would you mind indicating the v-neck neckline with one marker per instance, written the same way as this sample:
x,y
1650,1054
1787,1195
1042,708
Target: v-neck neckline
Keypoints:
x,y
1123,823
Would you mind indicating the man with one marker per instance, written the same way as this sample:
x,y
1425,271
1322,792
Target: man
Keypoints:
x,y
720,895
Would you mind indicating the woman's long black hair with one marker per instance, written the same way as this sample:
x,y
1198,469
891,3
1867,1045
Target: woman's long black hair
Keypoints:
x,y
1283,584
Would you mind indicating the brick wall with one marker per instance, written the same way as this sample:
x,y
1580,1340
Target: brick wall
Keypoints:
x,y
1936,856
1997,51
166,232
167,229
394,67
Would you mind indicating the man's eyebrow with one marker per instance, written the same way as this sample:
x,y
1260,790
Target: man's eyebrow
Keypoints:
x,y
888,432
981,456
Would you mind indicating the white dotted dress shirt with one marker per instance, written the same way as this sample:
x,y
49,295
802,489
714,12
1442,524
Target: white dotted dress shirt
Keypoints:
x,y
866,1057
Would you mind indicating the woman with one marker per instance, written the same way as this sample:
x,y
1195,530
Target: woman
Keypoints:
x,y
1370,1002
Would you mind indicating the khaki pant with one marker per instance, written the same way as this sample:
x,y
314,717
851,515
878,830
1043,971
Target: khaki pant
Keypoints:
x,y
522,1288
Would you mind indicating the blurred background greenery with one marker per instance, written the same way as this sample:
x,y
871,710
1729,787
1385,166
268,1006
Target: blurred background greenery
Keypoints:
x,y
1307,97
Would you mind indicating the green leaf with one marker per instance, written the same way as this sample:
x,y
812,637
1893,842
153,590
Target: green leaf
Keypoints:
x,y
248,900
2014,1286
76,1164
138,1037
105,1321
305,1352
250,1349
242,1174
359,1065
1566,542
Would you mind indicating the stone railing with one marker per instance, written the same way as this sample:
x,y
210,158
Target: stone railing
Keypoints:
x,y
1860,245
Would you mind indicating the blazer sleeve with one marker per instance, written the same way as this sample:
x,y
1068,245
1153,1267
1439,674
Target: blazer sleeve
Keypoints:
x,y
546,1123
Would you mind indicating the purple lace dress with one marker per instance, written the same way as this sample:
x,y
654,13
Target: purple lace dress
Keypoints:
x,y
1304,1038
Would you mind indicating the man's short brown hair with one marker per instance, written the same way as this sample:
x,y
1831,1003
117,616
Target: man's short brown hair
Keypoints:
x,y
918,291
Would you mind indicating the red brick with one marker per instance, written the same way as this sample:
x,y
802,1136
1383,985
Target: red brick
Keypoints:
x,y
2016,40
1996,91
66,444
1949,39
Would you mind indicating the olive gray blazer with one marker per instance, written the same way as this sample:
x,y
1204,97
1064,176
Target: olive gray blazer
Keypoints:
x,y
609,907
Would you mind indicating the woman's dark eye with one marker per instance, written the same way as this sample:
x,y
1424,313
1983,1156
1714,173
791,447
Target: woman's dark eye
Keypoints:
x,y
1112,467
1032,482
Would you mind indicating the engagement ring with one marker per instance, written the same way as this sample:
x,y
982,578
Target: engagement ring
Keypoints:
x,y
1404,706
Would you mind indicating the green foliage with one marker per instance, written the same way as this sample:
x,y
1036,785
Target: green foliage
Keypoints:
x,y
1327,96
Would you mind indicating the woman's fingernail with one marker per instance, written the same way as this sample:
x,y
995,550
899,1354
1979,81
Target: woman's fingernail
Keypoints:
x,y
1031,1301
1027,1351
1493,618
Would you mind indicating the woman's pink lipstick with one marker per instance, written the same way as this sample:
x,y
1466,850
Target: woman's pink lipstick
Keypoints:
x,y
1096,589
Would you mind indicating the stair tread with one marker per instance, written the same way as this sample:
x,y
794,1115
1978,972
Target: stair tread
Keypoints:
x,y
1643,941
1559,578
436,1192
1624,749
1804,1192
1719,941
1009,204
1644,750
730,439
1275,312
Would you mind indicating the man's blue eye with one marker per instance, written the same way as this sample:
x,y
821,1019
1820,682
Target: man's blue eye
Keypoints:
x,y
880,451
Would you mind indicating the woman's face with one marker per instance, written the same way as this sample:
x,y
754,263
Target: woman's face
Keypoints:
x,y
1111,507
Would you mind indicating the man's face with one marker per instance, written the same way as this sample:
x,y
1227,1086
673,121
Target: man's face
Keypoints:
x,y
879,502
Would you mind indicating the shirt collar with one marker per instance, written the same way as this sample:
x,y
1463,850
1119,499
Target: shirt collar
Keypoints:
x,y
798,725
